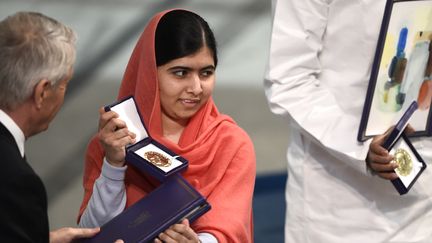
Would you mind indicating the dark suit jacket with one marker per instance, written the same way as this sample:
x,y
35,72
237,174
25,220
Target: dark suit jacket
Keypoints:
x,y
23,200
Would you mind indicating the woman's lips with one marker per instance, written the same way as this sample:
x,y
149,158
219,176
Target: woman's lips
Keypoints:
x,y
190,102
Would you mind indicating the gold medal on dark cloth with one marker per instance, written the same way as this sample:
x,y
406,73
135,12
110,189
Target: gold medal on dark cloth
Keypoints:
x,y
157,159
404,162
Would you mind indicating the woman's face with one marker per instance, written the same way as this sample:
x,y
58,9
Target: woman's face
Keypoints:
x,y
185,84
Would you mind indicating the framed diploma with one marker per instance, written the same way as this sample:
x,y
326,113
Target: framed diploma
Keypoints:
x,y
401,71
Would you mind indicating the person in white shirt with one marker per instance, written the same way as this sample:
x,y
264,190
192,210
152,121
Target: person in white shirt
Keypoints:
x,y
321,54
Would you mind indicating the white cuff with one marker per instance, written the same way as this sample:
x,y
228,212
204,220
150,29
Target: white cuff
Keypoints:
x,y
112,172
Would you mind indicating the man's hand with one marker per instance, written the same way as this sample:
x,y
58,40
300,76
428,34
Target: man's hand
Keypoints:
x,y
68,234
378,160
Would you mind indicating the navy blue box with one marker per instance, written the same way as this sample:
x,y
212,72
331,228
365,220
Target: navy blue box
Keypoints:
x,y
168,204
148,155
399,145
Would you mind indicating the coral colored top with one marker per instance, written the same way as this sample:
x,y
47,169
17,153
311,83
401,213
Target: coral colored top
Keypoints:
x,y
220,154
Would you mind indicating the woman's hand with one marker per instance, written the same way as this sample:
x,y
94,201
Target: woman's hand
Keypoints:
x,y
114,136
178,233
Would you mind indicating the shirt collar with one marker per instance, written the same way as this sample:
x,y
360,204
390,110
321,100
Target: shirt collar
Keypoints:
x,y
14,129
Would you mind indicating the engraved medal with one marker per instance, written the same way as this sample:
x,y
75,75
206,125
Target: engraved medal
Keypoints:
x,y
157,159
404,162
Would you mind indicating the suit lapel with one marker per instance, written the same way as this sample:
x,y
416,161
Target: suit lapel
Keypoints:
x,y
6,136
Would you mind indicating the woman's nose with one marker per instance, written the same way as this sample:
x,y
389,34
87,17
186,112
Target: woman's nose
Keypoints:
x,y
195,85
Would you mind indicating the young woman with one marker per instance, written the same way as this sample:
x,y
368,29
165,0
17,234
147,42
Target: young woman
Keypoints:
x,y
171,74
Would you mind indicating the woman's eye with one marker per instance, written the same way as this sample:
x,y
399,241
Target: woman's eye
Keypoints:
x,y
207,73
180,73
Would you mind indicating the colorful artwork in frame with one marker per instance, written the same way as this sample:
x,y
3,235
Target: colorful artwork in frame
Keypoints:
x,y
402,70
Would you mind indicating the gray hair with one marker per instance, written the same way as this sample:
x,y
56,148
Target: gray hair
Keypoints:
x,y
32,47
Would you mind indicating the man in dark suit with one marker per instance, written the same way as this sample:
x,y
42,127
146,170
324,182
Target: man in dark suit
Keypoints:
x,y
37,54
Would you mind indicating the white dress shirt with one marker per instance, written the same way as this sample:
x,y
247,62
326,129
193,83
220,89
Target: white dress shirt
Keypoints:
x,y
14,129
318,71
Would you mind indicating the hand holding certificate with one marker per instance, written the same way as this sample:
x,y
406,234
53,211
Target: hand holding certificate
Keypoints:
x,y
168,204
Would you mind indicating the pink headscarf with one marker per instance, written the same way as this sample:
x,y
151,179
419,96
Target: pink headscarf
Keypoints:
x,y
220,154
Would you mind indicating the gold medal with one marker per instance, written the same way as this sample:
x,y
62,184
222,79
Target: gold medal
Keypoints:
x,y
157,159
404,162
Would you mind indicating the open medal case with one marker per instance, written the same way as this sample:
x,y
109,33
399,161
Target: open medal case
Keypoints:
x,y
410,164
146,154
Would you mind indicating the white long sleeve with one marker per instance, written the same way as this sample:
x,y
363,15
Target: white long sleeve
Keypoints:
x,y
304,82
108,198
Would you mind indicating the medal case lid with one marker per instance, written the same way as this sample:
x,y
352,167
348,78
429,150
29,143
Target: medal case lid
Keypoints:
x,y
146,154
400,126
411,165
128,112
